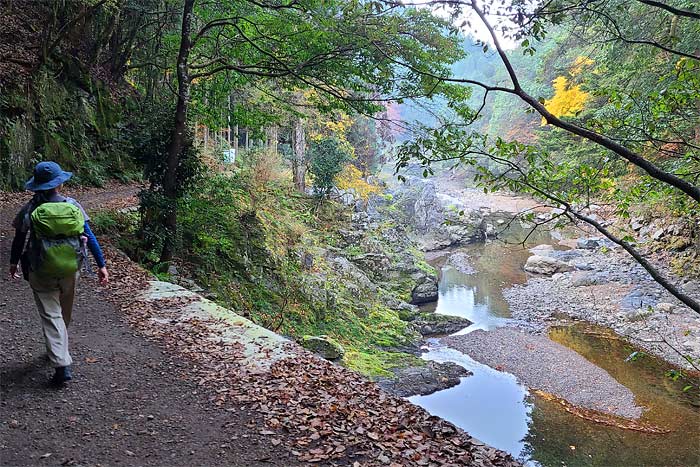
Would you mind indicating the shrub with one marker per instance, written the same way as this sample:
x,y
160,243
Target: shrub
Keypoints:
x,y
328,156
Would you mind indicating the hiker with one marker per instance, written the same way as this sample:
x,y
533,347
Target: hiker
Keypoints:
x,y
59,235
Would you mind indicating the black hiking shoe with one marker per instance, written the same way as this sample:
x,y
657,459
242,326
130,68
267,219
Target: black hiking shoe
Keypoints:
x,y
63,374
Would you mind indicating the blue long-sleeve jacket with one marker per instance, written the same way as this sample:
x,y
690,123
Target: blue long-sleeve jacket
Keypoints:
x,y
94,247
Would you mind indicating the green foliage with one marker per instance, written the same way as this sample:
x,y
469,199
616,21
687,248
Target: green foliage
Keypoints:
x,y
151,151
378,363
122,227
327,157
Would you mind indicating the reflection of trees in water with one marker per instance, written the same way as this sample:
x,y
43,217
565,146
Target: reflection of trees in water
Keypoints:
x,y
512,231
552,431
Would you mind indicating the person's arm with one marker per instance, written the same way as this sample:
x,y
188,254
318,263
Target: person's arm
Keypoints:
x,y
16,251
96,251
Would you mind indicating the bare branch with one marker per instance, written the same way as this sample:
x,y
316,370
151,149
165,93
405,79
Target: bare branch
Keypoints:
x,y
671,9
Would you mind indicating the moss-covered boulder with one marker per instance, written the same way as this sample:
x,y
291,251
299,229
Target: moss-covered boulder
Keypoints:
x,y
323,346
433,324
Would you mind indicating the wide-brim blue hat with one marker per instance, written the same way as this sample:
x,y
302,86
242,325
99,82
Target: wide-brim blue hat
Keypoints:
x,y
47,175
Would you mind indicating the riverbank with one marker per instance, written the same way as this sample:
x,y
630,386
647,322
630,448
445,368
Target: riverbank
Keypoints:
x,y
608,288
165,377
542,364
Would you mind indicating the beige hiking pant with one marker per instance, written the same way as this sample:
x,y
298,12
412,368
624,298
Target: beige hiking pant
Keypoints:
x,y
54,299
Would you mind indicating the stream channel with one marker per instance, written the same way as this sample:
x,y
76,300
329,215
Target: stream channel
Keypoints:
x,y
495,408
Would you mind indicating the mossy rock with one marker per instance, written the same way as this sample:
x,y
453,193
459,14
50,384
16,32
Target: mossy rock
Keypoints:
x,y
323,346
679,243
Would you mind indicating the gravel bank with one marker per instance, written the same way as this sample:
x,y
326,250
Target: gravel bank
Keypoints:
x,y
543,364
612,290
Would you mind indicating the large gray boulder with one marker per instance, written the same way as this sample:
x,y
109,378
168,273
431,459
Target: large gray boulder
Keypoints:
x,y
588,279
545,265
443,221
376,264
593,243
424,379
432,324
428,210
425,292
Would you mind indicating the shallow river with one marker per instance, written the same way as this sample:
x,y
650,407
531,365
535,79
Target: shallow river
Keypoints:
x,y
493,407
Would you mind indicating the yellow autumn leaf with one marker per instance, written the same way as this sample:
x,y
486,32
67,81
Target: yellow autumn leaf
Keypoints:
x,y
350,178
568,99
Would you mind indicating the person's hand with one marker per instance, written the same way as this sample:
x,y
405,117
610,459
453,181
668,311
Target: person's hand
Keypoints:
x,y
13,272
103,275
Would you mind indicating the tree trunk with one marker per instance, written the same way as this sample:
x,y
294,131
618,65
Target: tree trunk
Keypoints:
x,y
299,159
228,123
235,140
177,138
272,138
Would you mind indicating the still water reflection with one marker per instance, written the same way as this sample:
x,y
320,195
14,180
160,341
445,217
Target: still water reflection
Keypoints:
x,y
490,405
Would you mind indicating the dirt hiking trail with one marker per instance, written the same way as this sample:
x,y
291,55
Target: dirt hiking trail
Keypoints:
x,y
128,404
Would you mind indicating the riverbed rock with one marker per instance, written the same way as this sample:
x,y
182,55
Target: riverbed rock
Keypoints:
x,y
428,210
583,265
545,265
542,300
587,279
639,298
423,380
441,220
461,262
592,243
433,324
323,346
425,292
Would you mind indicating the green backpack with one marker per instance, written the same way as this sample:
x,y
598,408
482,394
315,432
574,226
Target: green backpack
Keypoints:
x,y
55,245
